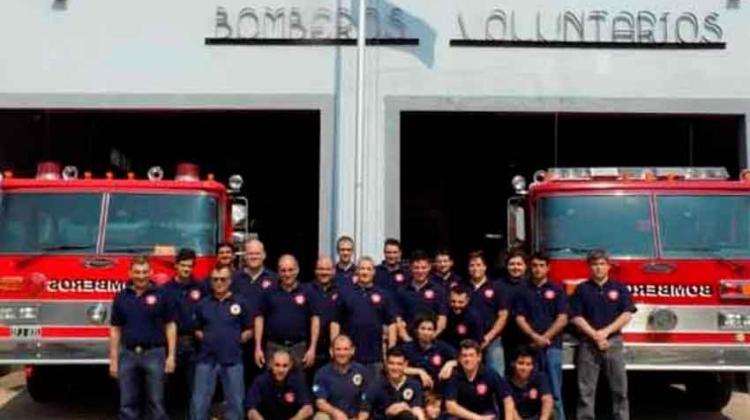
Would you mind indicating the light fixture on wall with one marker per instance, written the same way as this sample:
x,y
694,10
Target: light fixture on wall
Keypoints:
x,y
60,5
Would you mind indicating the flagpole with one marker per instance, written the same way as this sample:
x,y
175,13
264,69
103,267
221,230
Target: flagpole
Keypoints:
x,y
360,130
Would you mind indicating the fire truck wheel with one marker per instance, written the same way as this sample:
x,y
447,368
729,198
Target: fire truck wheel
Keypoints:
x,y
41,384
710,391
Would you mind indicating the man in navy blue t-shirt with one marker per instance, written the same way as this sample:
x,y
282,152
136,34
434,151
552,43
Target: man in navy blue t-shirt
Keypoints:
x,y
223,322
142,343
279,393
396,396
475,391
541,314
338,387
365,313
287,319
529,387
601,307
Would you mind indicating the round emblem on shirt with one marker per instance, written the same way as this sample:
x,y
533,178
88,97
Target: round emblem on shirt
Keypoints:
x,y
481,389
376,298
299,299
408,394
151,300
549,294
437,360
461,329
265,283
429,294
235,309
489,293
453,285
354,279
334,296
195,294
613,295
289,397
357,379
399,277
316,388
533,394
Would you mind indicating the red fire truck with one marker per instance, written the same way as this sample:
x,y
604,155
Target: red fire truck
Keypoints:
x,y
679,238
65,247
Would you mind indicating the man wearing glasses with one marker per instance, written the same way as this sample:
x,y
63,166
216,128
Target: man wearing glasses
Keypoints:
x,y
223,322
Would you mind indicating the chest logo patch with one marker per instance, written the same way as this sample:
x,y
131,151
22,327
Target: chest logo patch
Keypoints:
x,y
265,283
357,379
195,295
289,397
399,278
408,394
533,394
461,329
376,298
150,300
549,294
299,299
334,296
235,309
489,293
429,294
481,389
613,295
437,360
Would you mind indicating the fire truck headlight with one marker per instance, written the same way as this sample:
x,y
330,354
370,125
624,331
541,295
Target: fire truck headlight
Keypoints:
x,y
97,314
155,173
519,184
662,319
734,321
235,183
8,314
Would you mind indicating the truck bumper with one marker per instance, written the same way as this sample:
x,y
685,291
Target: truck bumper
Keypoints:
x,y
677,357
61,352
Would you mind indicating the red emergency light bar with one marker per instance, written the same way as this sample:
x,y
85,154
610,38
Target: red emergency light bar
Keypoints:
x,y
633,173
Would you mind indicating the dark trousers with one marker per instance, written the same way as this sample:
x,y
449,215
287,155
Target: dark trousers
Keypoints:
x,y
590,362
180,384
141,381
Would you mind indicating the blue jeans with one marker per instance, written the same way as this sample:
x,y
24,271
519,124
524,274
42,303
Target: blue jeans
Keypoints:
x,y
494,356
204,385
553,370
136,370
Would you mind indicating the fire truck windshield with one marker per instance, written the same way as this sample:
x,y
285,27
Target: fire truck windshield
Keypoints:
x,y
701,226
141,223
570,226
44,222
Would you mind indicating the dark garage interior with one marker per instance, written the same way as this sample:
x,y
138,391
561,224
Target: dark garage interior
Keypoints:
x,y
276,152
456,167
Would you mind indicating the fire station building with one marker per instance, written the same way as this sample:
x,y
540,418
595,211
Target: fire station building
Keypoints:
x,y
459,96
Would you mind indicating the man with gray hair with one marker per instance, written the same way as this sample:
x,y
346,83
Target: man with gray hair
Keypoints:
x,y
288,319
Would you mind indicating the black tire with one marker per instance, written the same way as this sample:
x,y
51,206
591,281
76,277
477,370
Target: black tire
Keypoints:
x,y
42,384
710,391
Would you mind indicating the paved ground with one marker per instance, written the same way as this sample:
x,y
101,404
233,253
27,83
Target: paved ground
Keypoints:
x,y
97,401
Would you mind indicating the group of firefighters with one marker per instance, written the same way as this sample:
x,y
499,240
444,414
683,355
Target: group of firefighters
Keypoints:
x,y
394,340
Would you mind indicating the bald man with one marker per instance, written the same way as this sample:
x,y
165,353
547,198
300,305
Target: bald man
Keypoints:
x,y
251,282
325,293
254,279
288,319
